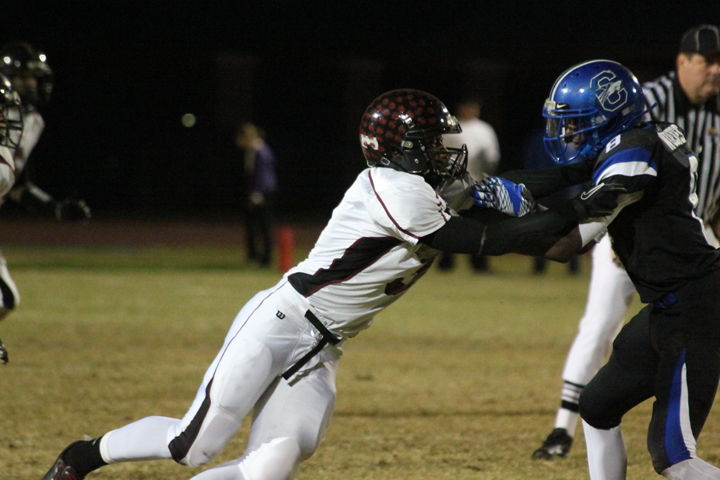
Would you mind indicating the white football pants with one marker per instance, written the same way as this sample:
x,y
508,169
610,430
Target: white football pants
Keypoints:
x,y
9,296
290,418
610,295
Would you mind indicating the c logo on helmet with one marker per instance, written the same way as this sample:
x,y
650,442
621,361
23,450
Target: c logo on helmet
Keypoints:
x,y
610,93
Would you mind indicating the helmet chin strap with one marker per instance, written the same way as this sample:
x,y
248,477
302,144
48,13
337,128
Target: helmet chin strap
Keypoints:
x,y
385,162
641,114
588,150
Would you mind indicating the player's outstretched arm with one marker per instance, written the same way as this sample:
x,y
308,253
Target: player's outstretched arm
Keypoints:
x,y
549,231
546,181
36,200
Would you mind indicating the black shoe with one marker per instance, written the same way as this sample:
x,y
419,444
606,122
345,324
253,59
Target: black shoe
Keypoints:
x,y
446,262
574,265
557,444
3,353
480,263
60,470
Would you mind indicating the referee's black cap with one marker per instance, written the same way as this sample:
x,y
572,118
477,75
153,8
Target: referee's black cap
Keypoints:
x,y
703,39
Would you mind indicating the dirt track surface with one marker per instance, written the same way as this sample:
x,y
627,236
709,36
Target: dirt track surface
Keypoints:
x,y
130,232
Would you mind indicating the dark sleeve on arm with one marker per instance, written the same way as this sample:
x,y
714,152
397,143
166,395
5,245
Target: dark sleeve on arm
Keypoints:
x,y
463,235
547,181
33,199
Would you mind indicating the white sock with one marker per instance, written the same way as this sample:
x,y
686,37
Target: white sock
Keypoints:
x,y
146,439
693,469
568,420
567,416
607,459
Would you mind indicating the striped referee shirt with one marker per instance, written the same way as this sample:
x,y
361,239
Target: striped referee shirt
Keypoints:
x,y
701,124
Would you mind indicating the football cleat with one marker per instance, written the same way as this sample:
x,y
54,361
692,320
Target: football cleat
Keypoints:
x,y
557,444
4,359
62,471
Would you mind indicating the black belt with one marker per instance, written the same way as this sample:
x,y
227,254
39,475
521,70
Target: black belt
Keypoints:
x,y
326,337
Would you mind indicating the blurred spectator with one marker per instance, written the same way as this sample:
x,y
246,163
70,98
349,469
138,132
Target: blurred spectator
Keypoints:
x,y
483,157
260,187
535,157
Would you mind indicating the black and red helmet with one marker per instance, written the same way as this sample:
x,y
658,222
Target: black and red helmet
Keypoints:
x,y
398,127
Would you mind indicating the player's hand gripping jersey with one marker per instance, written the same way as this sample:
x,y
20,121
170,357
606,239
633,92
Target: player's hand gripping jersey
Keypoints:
x,y
659,227
369,255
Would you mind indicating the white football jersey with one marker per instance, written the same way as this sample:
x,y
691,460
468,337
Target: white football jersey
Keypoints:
x,y
33,126
7,171
368,255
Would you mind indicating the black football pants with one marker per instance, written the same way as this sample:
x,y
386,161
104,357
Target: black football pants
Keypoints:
x,y
671,352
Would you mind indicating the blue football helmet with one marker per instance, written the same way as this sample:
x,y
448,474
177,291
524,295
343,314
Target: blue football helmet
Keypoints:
x,y
588,106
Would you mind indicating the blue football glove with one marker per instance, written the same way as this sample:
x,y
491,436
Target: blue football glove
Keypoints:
x,y
503,195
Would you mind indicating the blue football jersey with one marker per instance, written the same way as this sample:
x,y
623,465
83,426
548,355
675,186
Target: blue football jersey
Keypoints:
x,y
659,238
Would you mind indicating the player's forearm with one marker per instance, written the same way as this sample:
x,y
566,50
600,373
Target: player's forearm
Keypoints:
x,y
521,235
34,199
547,181
40,202
531,234
565,247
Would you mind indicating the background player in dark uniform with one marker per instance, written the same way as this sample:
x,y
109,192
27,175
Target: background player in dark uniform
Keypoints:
x,y
671,349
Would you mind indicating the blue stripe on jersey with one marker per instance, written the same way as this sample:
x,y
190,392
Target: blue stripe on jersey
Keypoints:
x,y
675,448
630,162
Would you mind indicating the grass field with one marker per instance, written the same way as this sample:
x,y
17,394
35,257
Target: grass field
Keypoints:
x,y
459,379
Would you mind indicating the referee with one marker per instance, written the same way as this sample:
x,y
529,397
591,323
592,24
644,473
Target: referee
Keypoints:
x,y
689,98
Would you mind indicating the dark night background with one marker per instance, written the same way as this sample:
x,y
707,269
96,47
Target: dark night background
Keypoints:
x,y
126,71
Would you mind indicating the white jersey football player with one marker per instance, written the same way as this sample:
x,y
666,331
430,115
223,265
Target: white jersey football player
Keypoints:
x,y
11,129
31,79
281,354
